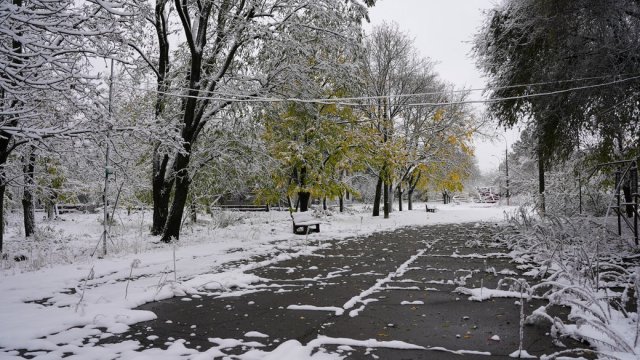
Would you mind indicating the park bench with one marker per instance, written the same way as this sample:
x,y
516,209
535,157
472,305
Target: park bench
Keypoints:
x,y
69,208
432,210
72,208
241,207
460,199
304,223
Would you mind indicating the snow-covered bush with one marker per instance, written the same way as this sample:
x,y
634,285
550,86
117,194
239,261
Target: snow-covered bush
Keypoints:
x,y
569,184
223,219
578,263
47,246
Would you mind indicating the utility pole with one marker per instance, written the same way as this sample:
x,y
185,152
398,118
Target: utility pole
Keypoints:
x,y
506,166
387,137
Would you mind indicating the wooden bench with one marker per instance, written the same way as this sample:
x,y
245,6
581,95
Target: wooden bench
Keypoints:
x,y
304,223
431,210
75,208
241,207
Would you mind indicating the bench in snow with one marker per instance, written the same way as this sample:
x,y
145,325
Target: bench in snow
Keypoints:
x,y
430,209
304,223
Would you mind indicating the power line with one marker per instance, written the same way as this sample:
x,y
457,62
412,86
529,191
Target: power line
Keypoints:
x,y
548,93
376,97
345,101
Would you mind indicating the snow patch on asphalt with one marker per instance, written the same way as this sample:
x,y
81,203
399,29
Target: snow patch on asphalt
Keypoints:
x,y
337,310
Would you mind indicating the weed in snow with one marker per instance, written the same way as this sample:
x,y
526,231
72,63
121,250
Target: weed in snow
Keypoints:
x,y
134,264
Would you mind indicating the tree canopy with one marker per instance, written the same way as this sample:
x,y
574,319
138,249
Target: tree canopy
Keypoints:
x,y
568,68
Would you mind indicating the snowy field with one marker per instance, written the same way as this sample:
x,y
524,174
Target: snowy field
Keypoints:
x,y
61,295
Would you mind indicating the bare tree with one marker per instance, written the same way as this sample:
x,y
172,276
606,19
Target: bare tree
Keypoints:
x,y
390,66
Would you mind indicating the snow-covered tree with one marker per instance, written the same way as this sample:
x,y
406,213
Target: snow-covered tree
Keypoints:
x,y
235,51
45,51
583,54
315,145
148,36
437,140
415,134
316,142
389,66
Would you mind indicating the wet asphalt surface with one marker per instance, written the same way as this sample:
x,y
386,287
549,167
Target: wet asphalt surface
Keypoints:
x,y
410,265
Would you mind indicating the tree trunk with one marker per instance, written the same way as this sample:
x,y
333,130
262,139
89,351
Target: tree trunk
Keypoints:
x,y
50,208
192,121
413,182
303,198
194,212
386,200
341,201
27,194
541,182
626,190
171,229
51,197
5,137
161,193
324,203
376,198
4,154
161,189
400,196
3,187
410,199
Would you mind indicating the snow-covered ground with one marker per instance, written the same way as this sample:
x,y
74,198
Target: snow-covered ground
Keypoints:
x,y
60,300
61,295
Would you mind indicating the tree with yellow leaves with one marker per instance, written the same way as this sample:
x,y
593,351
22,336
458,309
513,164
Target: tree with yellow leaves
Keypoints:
x,y
438,145
391,69
314,145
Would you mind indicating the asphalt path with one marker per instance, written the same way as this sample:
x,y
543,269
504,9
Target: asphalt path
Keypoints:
x,y
389,286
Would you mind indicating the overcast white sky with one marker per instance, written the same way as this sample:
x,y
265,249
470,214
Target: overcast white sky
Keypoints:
x,y
443,30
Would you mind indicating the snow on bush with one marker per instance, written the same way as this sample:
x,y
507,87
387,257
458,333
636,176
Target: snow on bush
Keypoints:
x,y
578,262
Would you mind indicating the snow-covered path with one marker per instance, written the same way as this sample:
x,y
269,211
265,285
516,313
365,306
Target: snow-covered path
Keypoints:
x,y
390,295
